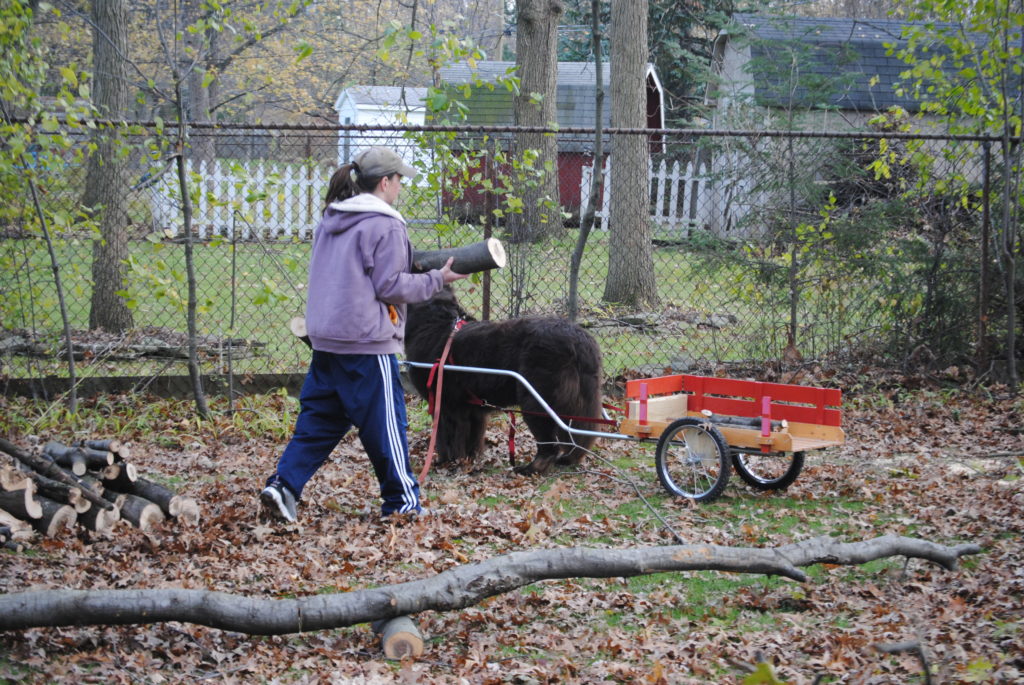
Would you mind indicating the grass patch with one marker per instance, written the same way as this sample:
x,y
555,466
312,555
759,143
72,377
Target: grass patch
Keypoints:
x,y
714,305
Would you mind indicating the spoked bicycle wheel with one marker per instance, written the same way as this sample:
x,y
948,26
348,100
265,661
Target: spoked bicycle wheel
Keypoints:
x,y
692,459
768,471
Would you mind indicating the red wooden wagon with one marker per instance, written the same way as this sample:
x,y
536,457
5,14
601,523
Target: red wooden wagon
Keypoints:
x,y
706,426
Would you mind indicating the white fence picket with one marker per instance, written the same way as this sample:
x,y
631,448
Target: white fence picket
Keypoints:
x,y
290,208
674,192
682,199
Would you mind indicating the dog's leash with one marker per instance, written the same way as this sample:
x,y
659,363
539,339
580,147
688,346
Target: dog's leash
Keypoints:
x,y
434,397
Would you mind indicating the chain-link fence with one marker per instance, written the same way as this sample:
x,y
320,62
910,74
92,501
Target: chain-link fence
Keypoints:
x,y
748,247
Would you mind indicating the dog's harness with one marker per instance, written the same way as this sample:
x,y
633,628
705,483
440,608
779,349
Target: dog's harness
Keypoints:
x,y
434,396
434,406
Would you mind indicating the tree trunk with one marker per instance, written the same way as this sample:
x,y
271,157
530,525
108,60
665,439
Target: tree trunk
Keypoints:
x,y
456,588
631,279
105,178
597,177
537,62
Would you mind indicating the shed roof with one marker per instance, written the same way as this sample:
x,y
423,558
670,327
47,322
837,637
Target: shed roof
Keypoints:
x,y
846,58
575,103
386,96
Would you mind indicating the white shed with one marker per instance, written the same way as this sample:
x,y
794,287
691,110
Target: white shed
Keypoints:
x,y
376,105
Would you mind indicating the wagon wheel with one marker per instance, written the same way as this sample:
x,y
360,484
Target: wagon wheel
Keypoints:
x,y
692,459
768,471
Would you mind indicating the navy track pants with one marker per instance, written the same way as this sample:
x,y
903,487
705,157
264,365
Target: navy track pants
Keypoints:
x,y
346,390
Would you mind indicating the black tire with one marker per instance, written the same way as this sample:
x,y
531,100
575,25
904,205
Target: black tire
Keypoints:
x,y
692,459
775,471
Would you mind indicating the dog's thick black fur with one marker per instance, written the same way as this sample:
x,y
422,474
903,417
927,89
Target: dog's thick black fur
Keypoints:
x,y
558,358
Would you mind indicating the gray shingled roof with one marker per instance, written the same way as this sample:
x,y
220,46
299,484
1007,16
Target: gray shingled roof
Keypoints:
x,y
575,93
387,96
840,58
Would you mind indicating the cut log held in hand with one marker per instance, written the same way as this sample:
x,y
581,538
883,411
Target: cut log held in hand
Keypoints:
x,y
469,259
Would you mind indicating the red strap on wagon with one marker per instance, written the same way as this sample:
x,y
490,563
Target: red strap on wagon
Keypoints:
x,y
434,399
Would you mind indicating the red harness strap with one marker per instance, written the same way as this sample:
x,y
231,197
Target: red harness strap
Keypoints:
x,y
434,398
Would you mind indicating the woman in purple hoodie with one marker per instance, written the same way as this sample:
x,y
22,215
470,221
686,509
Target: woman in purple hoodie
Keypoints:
x,y
360,281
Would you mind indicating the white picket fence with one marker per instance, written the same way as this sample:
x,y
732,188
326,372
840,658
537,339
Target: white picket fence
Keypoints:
x,y
264,200
680,196
273,200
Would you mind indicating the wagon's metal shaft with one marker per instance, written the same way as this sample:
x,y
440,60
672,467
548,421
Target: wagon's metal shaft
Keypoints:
x,y
536,395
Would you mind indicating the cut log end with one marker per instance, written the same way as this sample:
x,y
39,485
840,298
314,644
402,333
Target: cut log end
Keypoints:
x,y
297,326
185,509
56,518
100,520
468,259
140,512
22,504
400,637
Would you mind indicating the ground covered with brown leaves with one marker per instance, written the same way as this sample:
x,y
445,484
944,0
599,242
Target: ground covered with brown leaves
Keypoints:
x,y
943,466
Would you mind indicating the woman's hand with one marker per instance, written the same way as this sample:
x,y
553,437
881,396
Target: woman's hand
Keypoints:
x,y
448,275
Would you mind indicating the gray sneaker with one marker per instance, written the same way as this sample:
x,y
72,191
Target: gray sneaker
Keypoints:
x,y
280,502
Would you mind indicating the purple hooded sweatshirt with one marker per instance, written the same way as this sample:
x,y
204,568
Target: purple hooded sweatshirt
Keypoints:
x,y
360,264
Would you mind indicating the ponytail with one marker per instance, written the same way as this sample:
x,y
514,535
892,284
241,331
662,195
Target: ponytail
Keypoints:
x,y
347,182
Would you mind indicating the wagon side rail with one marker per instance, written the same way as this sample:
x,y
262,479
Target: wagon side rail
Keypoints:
x,y
792,418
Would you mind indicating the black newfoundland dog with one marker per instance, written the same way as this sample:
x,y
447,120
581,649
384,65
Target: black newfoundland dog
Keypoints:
x,y
558,358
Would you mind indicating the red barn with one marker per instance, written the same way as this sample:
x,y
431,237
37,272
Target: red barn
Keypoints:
x,y
576,108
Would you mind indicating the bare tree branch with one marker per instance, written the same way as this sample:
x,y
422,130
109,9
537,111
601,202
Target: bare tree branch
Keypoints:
x,y
456,588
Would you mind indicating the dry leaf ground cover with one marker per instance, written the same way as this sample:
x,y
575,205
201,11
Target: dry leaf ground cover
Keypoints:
x,y
916,463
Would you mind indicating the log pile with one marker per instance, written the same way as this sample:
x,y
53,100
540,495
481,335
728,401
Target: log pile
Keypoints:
x,y
91,484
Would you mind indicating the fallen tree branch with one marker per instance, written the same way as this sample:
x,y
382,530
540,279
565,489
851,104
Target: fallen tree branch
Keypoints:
x,y
456,588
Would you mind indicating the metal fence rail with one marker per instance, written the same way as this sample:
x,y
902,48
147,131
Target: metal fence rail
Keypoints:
x,y
766,247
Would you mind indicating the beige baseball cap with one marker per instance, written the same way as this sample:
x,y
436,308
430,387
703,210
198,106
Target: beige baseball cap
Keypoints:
x,y
382,161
